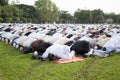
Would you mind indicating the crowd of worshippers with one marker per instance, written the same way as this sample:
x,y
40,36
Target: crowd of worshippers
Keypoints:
x,y
62,41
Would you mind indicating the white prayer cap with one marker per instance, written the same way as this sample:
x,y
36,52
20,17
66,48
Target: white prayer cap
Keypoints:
x,y
35,53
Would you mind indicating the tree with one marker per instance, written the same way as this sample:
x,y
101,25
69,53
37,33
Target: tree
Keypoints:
x,y
0,10
83,16
99,19
1,19
118,18
23,19
29,20
8,19
98,16
16,19
65,17
27,11
6,11
15,11
47,10
10,12
3,2
112,16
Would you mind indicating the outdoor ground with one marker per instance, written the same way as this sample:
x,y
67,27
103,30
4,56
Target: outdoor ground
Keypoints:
x,y
14,65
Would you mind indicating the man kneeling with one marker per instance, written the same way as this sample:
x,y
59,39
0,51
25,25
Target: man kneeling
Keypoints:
x,y
59,52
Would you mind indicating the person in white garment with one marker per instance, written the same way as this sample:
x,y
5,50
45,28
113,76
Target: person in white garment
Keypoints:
x,y
61,52
113,44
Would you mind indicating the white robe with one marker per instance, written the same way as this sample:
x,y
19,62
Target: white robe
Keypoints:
x,y
113,43
62,51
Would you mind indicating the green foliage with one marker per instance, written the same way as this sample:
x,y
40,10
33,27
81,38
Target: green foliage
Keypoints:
x,y
28,11
98,16
83,16
99,19
118,18
16,19
0,10
3,2
18,11
47,10
29,20
95,16
65,17
1,19
14,65
6,11
15,11
112,16
7,19
34,20
23,19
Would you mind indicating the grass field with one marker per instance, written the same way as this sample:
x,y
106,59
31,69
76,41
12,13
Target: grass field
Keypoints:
x,y
14,65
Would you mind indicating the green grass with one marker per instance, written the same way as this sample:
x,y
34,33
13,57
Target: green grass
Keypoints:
x,y
14,65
